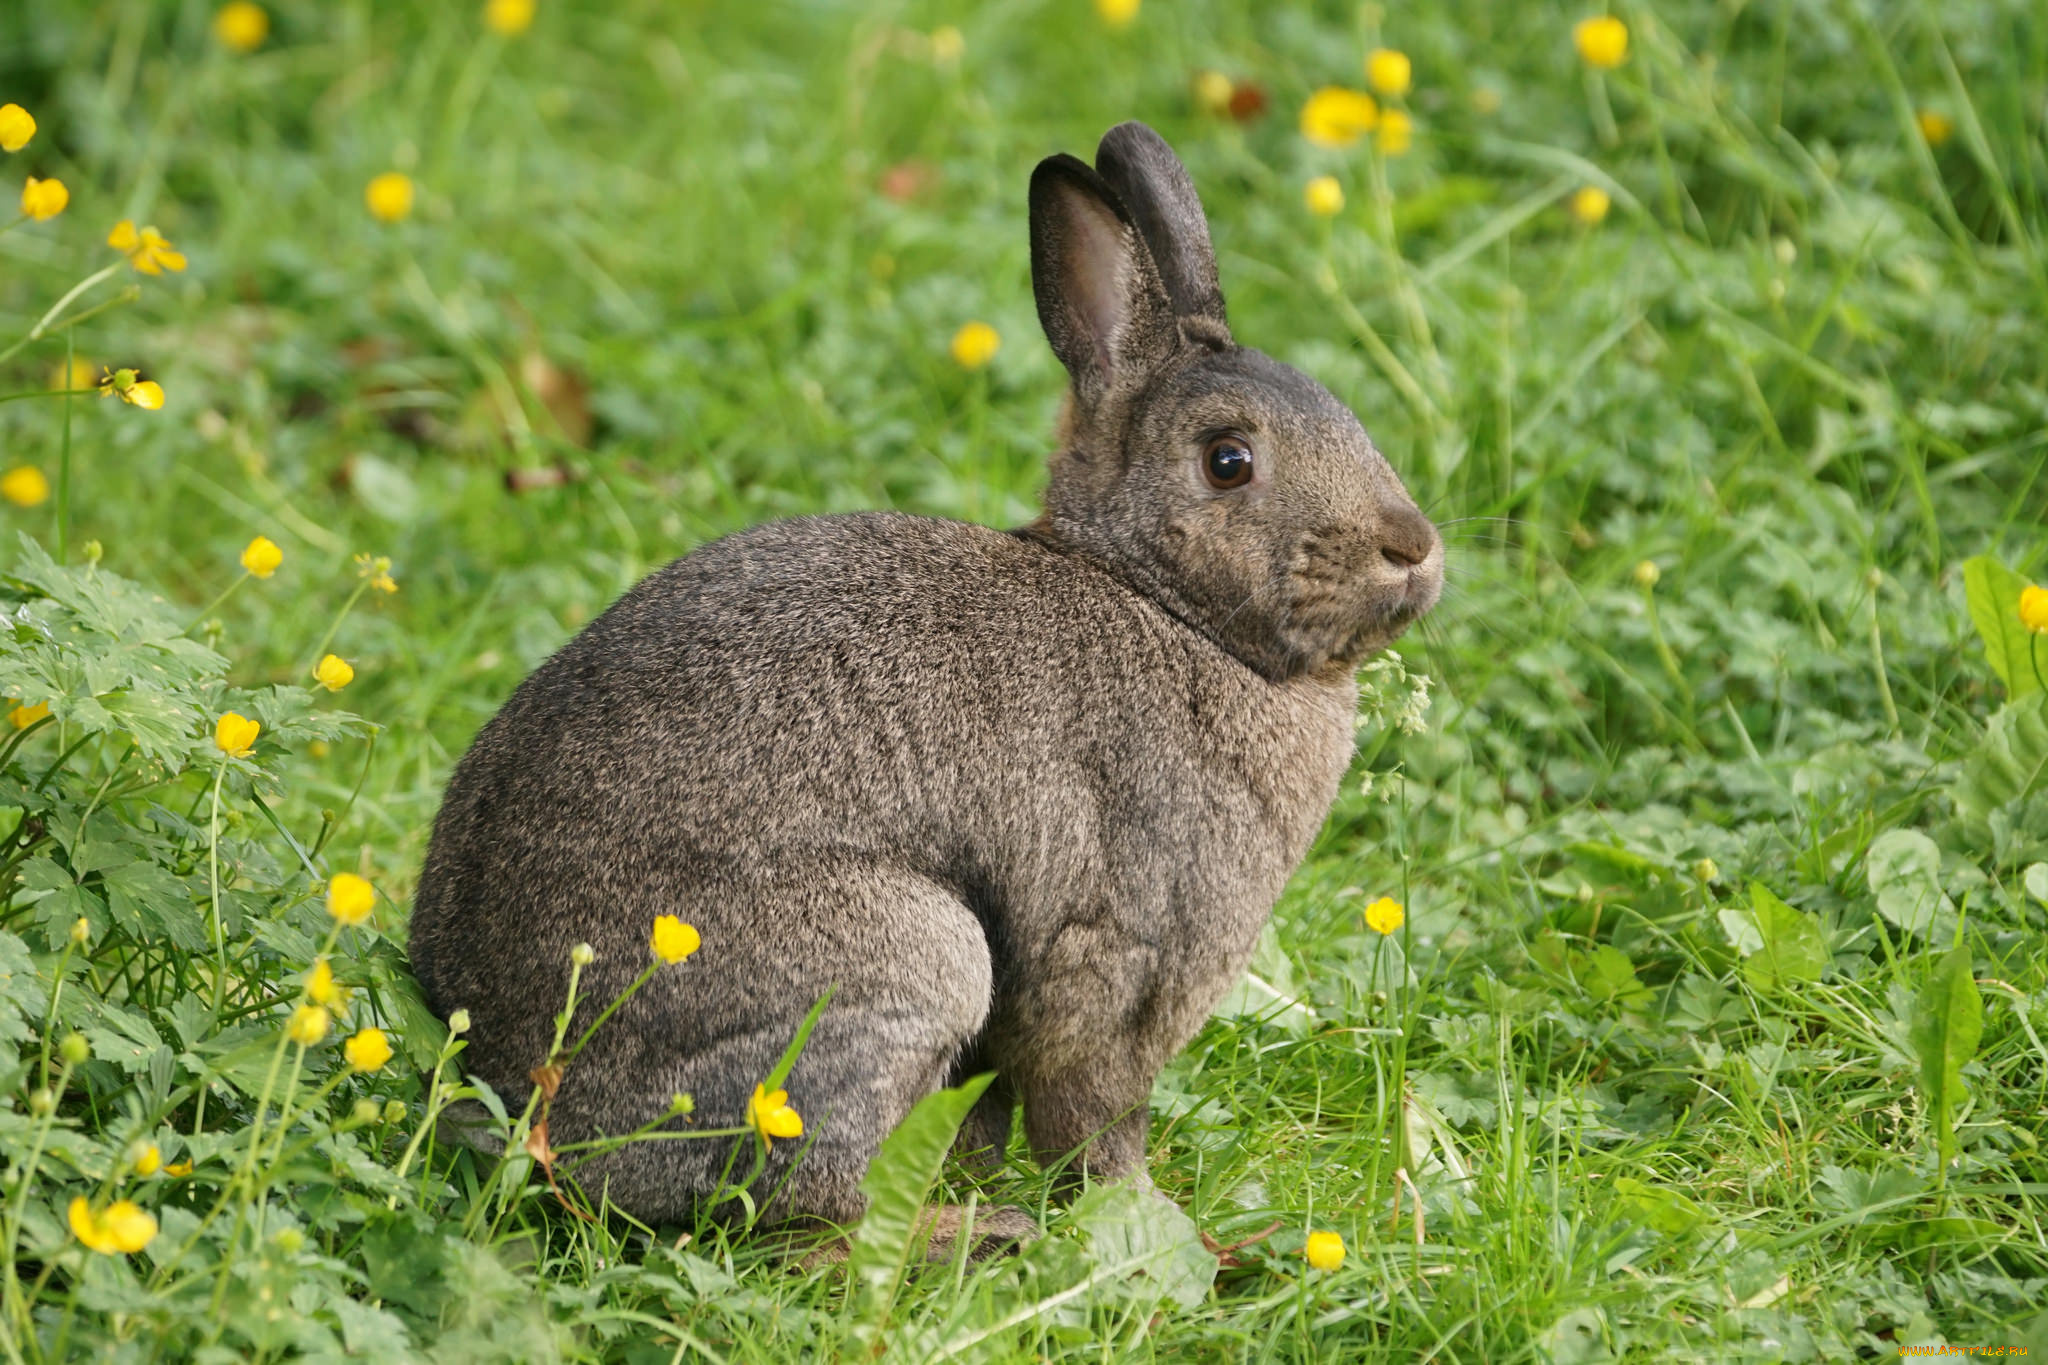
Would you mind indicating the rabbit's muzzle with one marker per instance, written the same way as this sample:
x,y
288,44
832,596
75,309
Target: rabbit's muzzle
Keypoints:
x,y
1361,587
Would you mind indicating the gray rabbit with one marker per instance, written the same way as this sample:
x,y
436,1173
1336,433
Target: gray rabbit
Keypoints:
x,y
1022,799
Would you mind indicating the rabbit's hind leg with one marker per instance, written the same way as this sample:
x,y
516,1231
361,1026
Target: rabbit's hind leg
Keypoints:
x,y
909,971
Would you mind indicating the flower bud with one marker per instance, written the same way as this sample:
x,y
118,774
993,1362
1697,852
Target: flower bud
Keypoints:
x,y
1647,573
458,1022
94,552
289,1240
680,1103
1705,870
81,931
366,1112
75,1049
394,1111
42,1102
582,954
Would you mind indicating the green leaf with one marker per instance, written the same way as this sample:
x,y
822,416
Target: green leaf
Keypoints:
x,y
1994,596
1793,951
1657,1208
1124,1225
896,1184
1948,1019
2008,765
1904,870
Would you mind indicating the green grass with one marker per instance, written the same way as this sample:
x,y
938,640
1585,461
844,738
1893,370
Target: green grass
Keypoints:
x,y
1800,367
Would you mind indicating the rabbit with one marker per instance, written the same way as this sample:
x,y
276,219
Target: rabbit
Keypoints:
x,y
1022,800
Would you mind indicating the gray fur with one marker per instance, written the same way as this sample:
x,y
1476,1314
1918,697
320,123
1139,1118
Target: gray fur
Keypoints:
x,y
1024,799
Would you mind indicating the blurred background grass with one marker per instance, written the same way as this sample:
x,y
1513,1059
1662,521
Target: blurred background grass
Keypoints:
x,y
676,268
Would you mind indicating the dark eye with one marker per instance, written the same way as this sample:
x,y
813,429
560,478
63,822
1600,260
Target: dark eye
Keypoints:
x,y
1228,462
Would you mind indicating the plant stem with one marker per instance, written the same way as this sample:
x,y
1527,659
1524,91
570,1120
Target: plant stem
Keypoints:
x,y
35,333
64,454
211,607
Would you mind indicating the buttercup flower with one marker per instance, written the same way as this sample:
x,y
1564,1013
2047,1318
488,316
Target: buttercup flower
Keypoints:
x,y
1324,196
389,196
350,898
1325,1250
308,1025
770,1115
378,571
2034,608
508,17
1384,915
145,1159
1589,204
948,44
1395,134
121,1228
241,26
320,987
25,486
146,394
333,673
1602,41
21,717
1213,90
178,1168
1935,126
43,200
235,735
1336,117
16,127
1117,13
261,557
368,1050
81,928
674,940
76,374
975,344
146,249
1388,71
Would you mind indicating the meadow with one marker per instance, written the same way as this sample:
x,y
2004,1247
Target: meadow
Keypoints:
x,y
1671,979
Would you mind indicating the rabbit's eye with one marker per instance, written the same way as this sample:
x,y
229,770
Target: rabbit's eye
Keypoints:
x,y
1228,462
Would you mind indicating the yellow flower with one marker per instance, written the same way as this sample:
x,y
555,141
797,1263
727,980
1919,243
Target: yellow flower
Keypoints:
x,y
1336,117
1117,13
508,17
378,571
333,673
1213,90
178,1168
1602,40
2034,608
770,1115
389,196
261,557
25,486
16,127
674,940
146,394
320,987
948,44
367,1050
1384,915
1324,196
146,250
1325,1250
235,735
1589,204
43,200
77,374
975,344
147,1161
1396,133
1935,126
308,1025
349,898
241,26
21,717
1388,71
123,1227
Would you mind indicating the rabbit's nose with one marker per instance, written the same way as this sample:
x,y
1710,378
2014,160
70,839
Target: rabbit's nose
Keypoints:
x,y
1406,536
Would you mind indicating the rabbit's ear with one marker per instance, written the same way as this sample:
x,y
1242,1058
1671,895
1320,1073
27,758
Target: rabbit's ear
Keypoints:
x,y
1161,199
1099,296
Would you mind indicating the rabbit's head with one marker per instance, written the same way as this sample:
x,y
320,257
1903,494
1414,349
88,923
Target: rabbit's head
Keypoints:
x,y
1232,489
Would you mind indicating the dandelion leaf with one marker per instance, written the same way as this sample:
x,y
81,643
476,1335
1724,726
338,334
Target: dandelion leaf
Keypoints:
x,y
1948,1019
2008,766
1993,592
1792,949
